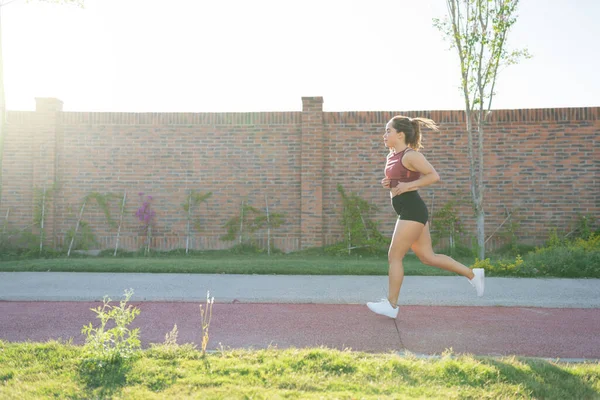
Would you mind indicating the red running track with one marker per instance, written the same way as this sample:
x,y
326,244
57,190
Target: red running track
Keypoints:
x,y
537,332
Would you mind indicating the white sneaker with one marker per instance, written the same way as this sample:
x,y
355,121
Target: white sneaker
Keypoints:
x,y
383,307
478,281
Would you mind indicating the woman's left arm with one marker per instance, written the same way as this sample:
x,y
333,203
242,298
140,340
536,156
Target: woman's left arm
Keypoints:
x,y
416,161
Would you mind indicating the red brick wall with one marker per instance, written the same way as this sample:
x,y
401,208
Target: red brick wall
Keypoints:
x,y
235,156
17,169
312,173
541,164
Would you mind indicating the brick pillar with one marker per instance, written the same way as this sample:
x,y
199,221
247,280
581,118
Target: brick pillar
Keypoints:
x,y
311,220
44,159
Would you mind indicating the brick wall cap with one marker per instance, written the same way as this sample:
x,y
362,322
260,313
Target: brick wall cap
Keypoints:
x,y
45,103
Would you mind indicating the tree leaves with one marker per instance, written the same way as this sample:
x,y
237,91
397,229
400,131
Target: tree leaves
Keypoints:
x,y
478,30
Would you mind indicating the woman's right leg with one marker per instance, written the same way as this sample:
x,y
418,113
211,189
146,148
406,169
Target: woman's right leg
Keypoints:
x,y
423,250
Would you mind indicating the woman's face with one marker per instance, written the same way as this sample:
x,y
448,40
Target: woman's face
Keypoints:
x,y
391,136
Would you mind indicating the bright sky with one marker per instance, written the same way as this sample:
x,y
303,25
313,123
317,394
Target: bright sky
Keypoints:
x,y
264,55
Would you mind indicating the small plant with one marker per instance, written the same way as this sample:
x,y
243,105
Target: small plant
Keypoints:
x,y
73,233
171,337
583,227
567,258
5,224
244,226
103,201
205,318
41,198
22,241
146,214
446,223
501,267
122,210
193,200
360,232
118,343
171,350
82,239
88,239
508,230
592,243
582,231
554,240
511,232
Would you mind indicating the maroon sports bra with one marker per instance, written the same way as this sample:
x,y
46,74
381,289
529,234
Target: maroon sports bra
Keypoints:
x,y
396,171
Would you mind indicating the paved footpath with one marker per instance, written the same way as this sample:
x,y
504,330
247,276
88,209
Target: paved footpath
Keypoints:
x,y
554,318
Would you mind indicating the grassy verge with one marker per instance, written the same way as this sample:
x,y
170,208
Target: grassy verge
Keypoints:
x,y
56,370
578,258
222,263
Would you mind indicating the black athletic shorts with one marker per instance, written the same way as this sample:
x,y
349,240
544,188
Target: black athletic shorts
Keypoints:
x,y
410,207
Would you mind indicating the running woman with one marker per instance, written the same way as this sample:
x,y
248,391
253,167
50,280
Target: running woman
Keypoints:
x,y
406,170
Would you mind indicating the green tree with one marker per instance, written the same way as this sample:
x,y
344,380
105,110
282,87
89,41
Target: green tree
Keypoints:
x,y
478,29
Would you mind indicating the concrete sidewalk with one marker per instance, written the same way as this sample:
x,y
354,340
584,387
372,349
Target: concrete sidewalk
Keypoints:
x,y
301,289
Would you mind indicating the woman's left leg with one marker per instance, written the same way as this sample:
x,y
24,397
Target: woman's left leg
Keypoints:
x,y
423,249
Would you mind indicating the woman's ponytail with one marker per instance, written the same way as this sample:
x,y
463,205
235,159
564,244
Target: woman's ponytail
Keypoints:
x,y
412,129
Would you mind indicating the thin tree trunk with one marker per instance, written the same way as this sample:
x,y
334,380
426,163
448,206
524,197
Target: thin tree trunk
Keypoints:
x,y
42,220
3,237
481,234
242,222
472,172
5,222
476,192
480,213
363,222
120,223
268,227
349,242
480,190
476,178
148,239
187,239
76,228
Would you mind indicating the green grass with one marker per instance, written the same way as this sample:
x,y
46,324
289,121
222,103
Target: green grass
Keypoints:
x,y
578,258
57,370
223,263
